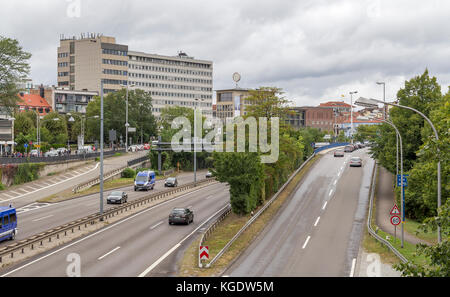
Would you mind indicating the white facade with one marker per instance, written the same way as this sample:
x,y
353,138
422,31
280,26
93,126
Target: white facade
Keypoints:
x,y
172,80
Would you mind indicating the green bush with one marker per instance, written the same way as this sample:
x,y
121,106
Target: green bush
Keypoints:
x,y
128,173
2,187
27,172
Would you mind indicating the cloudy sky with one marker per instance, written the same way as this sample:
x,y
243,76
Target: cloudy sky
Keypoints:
x,y
316,50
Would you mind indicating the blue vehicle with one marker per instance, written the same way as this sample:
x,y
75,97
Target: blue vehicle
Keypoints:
x,y
8,220
145,180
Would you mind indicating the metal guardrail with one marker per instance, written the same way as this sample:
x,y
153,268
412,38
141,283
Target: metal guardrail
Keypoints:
x,y
249,222
211,228
58,159
35,241
369,219
137,160
96,180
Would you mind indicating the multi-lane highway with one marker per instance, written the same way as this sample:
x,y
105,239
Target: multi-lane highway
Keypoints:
x,y
39,217
133,246
318,231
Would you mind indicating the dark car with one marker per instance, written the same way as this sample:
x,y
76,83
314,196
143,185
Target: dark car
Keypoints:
x,y
171,182
117,197
355,162
181,215
338,153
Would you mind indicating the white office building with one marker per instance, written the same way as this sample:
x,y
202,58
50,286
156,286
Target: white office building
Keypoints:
x,y
172,80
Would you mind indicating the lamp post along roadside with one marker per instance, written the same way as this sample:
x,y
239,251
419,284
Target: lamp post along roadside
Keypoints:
x,y
351,113
374,102
401,176
384,97
101,150
126,117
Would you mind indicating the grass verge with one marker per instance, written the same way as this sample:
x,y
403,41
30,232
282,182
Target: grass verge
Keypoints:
x,y
371,245
188,264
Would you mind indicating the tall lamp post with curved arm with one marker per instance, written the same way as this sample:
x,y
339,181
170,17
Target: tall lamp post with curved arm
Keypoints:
x,y
374,102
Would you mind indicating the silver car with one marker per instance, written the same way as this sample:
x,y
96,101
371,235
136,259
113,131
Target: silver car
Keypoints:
x,y
355,162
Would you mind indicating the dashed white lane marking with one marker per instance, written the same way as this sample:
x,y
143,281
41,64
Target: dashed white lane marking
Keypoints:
x,y
43,218
154,226
306,242
352,271
76,172
325,205
331,192
335,182
15,193
317,222
108,253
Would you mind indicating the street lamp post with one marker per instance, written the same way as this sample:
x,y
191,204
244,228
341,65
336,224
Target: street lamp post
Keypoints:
x,y
384,97
195,139
351,113
401,174
126,117
101,150
374,102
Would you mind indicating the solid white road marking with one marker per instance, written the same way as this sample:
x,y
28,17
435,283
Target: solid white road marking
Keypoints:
x,y
352,272
43,218
317,222
154,226
109,253
325,205
106,229
306,242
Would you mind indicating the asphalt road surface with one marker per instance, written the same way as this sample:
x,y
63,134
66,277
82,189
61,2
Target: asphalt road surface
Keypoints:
x,y
131,247
38,217
318,231
28,193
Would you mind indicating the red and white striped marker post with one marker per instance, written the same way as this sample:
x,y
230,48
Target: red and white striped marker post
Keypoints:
x,y
204,253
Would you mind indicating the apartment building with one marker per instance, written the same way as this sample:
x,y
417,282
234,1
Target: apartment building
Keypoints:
x,y
172,80
84,62
231,103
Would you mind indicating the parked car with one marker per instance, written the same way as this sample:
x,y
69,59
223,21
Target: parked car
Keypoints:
x,y
181,215
62,151
117,197
355,162
52,153
145,180
338,153
171,182
34,153
209,174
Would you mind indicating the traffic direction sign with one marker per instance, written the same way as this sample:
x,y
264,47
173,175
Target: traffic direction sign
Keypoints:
x,y
204,253
395,220
394,211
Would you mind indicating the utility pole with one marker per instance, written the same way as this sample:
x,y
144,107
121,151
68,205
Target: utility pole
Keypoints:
x,y
101,150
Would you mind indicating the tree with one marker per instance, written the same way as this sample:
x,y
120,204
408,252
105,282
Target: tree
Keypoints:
x,y
57,129
438,255
13,68
139,115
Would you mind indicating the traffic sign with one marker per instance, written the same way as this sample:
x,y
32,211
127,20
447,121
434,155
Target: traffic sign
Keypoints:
x,y
37,145
395,220
405,180
204,253
394,211
25,145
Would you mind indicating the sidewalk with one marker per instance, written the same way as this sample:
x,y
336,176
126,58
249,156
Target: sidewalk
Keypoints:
x,y
384,204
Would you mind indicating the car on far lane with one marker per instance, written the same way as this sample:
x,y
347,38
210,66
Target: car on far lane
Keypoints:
x,y
117,197
338,153
171,182
349,148
355,162
52,153
181,215
34,153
